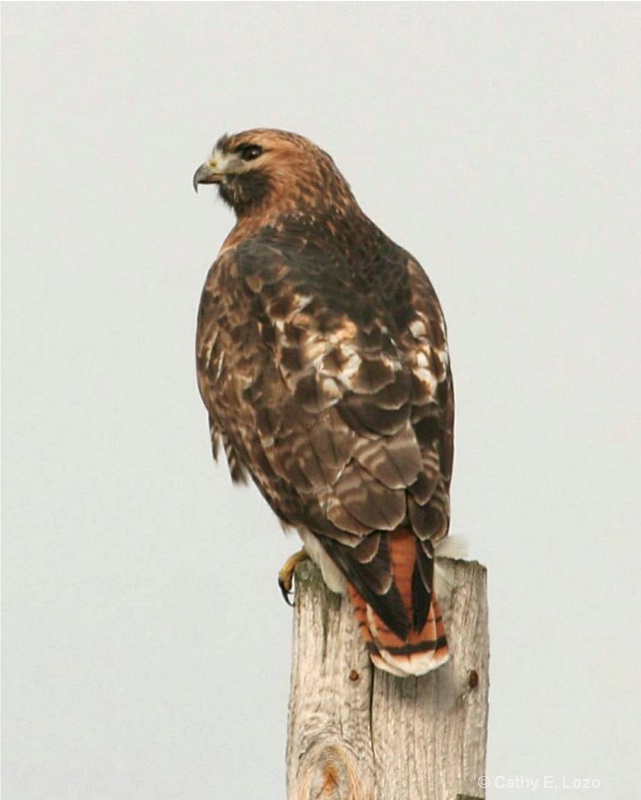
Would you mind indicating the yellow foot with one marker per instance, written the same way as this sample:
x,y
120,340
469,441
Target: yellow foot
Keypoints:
x,y
286,574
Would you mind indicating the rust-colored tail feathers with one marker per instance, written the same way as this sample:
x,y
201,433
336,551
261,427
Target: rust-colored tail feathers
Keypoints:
x,y
424,647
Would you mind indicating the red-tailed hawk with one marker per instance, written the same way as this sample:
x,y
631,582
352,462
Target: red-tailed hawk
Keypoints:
x,y
323,364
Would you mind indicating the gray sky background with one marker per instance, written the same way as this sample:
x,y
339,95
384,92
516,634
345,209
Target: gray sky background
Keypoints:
x,y
146,645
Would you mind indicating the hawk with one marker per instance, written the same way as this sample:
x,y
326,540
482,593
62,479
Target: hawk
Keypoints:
x,y
323,364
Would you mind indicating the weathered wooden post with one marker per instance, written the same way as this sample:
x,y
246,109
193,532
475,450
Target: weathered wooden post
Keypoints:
x,y
356,733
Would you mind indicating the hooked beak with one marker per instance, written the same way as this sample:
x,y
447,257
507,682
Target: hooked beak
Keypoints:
x,y
207,173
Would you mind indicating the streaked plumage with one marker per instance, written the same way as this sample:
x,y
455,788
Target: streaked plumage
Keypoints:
x,y
323,364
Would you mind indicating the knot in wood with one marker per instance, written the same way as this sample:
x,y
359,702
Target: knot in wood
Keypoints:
x,y
330,772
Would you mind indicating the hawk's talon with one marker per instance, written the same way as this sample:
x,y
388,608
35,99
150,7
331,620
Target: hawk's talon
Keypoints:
x,y
286,574
285,592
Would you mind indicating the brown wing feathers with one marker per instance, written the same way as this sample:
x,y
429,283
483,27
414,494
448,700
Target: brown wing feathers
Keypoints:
x,y
335,417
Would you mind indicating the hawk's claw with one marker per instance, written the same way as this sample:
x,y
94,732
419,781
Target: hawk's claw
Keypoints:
x,y
286,574
285,591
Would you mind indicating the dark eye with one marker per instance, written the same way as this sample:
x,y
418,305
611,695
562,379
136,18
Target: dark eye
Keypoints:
x,y
248,152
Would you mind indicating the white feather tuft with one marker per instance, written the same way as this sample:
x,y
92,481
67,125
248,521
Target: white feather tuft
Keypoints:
x,y
456,547
333,577
451,547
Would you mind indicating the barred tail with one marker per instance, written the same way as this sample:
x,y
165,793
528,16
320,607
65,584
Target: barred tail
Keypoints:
x,y
422,645
421,652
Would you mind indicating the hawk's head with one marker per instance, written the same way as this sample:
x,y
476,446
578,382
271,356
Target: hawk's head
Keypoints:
x,y
269,170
